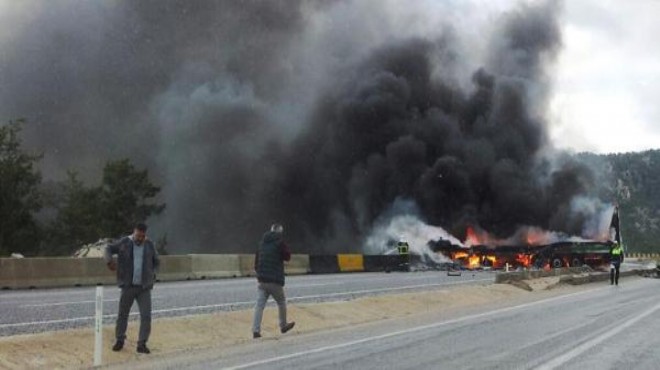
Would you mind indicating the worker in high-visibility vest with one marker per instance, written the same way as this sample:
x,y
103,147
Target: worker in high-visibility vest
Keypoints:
x,y
402,247
616,258
404,254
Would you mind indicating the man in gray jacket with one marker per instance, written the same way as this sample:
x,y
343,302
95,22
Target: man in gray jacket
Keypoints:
x,y
136,266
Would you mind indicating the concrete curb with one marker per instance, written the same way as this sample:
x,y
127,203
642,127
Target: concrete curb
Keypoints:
x,y
505,277
596,276
27,273
572,276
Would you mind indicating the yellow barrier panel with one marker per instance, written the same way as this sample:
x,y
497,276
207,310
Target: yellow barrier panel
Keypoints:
x,y
350,262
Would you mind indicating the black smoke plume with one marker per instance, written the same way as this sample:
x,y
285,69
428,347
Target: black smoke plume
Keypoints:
x,y
248,112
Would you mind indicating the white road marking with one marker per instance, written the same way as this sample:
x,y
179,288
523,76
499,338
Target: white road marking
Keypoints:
x,y
293,281
317,284
386,289
406,331
198,285
54,321
65,303
565,357
245,303
297,286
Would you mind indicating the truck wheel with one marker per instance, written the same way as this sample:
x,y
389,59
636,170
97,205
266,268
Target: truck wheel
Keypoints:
x,y
576,262
557,263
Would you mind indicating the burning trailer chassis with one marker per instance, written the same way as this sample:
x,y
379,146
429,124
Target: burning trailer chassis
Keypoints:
x,y
563,254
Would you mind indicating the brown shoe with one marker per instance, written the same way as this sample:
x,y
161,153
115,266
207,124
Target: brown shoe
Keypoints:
x,y
256,335
288,327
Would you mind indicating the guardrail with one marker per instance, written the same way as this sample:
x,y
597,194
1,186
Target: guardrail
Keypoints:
x,y
23,273
643,255
26,273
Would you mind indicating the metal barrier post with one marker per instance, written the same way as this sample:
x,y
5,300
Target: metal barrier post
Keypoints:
x,y
98,328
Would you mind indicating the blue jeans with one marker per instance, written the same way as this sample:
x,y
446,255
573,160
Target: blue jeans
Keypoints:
x,y
264,291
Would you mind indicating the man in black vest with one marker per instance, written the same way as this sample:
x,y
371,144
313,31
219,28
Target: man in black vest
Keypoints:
x,y
269,266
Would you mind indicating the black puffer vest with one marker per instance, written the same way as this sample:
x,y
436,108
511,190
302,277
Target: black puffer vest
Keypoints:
x,y
270,267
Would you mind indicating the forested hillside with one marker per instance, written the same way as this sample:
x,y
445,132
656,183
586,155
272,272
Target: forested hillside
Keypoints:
x,y
632,179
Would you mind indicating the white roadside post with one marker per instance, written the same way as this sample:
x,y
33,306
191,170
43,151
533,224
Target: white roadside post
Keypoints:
x,y
98,328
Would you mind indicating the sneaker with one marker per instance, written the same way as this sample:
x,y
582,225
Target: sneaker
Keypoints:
x,y
118,346
142,348
288,327
256,335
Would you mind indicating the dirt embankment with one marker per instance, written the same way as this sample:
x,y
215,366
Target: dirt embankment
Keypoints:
x,y
74,348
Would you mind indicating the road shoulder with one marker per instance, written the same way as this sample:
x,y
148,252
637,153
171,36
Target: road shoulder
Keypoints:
x,y
175,339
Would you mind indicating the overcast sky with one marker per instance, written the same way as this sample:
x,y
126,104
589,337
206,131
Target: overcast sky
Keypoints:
x,y
607,81
246,105
607,90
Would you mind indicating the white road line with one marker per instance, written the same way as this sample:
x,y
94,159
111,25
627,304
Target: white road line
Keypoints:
x,y
316,284
292,298
292,281
230,304
65,303
386,289
564,358
55,321
407,331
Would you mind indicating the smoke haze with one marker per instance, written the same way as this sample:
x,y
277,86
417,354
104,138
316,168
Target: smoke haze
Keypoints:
x,y
318,115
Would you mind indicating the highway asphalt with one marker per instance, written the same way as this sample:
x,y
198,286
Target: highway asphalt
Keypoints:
x,y
599,327
30,311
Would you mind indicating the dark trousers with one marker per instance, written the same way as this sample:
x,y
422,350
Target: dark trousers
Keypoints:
x,y
143,298
614,273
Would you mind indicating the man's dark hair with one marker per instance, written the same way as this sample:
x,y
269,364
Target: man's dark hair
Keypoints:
x,y
141,226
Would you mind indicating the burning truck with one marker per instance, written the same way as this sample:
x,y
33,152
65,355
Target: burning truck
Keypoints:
x,y
556,255
537,249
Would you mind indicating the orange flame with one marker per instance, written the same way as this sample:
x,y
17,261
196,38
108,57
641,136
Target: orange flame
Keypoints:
x,y
471,238
459,255
477,236
474,261
532,239
524,259
535,236
492,259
